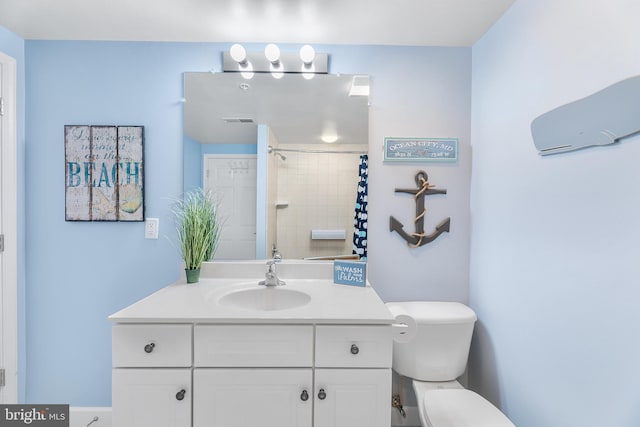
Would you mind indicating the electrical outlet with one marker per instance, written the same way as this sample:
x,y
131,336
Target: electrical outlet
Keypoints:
x,y
151,226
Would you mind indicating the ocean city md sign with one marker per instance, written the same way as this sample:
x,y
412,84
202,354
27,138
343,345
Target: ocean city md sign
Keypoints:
x,y
420,149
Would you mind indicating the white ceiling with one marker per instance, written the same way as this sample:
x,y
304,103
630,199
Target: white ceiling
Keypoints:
x,y
385,22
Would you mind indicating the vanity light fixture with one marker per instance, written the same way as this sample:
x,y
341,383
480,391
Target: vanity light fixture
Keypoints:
x,y
307,55
239,55
272,53
306,61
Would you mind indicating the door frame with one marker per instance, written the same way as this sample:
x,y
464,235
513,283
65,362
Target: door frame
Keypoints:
x,y
9,227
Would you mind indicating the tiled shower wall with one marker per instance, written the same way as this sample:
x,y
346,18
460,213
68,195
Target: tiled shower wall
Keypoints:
x,y
320,190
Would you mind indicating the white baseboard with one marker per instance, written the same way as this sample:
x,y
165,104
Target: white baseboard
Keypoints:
x,y
81,416
411,420
84,416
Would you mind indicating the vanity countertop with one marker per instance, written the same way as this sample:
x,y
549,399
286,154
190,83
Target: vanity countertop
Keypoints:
x,y
201,302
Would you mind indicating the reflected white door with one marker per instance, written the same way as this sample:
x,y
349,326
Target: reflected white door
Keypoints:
x,y
232,178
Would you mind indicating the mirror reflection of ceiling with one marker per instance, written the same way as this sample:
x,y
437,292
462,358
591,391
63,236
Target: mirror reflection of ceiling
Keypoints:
x,y
431,22
225,108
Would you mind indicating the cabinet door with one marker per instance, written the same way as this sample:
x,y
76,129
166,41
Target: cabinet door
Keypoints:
x,y
352,398
252,397
151,397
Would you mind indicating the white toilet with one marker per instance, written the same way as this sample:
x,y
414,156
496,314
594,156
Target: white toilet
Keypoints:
x,y
434,358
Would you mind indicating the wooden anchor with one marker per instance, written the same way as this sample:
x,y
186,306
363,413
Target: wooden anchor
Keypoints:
x,y
419,237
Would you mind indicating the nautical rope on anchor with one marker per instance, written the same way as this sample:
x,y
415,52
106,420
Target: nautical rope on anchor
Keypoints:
x,y
425,187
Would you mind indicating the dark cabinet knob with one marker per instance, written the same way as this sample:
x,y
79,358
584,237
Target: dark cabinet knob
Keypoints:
x,y
304,396
180,394
354,349
322,394
149,347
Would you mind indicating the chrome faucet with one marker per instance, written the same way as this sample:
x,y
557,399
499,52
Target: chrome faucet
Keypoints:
x,y
271,278
275,253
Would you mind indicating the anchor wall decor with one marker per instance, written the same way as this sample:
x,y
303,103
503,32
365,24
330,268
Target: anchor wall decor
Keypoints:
x,y
419,237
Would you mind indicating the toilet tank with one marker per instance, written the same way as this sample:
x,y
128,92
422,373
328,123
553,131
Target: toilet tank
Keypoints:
x,y
440,347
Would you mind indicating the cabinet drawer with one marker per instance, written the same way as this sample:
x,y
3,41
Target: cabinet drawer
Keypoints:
x,y
253,345
353,346
151,346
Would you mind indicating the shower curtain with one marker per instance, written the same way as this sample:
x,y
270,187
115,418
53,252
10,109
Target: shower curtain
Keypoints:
x,y
360,220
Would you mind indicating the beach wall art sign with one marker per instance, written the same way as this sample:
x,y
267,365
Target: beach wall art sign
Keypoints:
x,y
104,173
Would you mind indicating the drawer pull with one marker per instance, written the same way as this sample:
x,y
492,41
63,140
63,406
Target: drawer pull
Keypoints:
x,y
304,396
322,394
354,349
149,347
180,394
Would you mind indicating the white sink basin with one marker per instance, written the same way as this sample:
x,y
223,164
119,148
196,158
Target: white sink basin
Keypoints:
x,y
265,299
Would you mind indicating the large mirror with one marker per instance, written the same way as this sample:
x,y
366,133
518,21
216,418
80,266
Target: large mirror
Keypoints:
x,y
281,155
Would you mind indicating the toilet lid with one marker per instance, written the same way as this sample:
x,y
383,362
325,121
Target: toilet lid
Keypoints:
x,y
460,408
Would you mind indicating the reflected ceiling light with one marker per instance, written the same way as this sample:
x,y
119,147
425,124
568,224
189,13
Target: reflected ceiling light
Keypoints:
x,y
329,132
329,139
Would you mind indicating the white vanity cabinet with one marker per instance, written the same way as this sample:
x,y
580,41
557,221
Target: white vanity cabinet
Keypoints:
x,y
225,352
231,375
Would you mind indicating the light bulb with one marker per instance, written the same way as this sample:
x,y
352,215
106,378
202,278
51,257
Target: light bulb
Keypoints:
x,y
272,52
238,54
307,54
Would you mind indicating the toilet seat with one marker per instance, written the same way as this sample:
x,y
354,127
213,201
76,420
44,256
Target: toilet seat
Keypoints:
x,y
459,408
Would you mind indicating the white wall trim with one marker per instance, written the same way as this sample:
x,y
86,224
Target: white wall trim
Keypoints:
x,y
94,416
9,227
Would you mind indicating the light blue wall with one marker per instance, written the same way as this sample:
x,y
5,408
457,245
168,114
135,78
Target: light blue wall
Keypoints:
x,y
79,273
555,271
12,45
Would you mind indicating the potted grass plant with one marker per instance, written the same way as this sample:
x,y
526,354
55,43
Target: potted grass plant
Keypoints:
x,y
198,227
